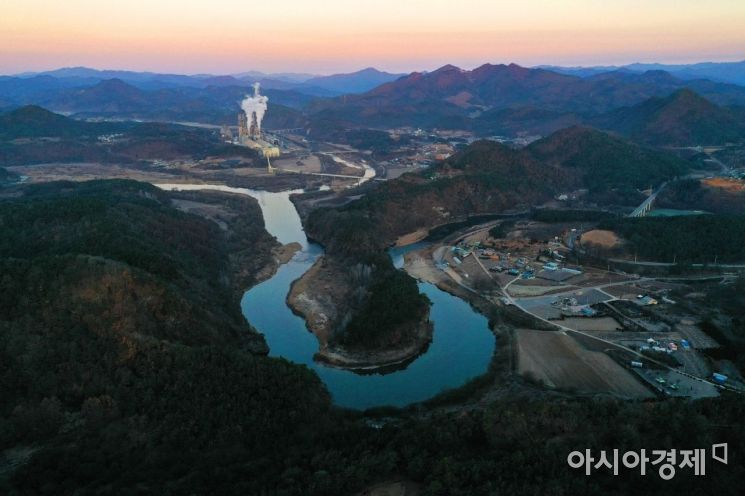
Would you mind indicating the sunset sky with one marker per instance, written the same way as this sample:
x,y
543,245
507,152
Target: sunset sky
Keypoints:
x,y
325,36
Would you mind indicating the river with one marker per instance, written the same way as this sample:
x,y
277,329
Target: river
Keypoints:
x,y
461,348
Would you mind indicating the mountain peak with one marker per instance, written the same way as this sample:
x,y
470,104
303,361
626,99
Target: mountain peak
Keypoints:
x,y
32,120
114,86
114,83
683,118
659,76
447,68
573,134
33,113
686,100
687,95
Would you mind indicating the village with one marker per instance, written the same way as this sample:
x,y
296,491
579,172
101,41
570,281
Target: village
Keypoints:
x,y
594,330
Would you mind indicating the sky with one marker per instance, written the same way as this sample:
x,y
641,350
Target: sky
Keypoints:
x,y
327,36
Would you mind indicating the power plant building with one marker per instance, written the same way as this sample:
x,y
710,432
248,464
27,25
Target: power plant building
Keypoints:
x,y
249,124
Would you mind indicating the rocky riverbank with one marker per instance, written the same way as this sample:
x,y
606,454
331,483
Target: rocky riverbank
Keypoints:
x,y
370,360
281,254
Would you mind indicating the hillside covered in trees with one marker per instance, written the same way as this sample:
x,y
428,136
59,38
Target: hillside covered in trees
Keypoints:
x,y
683,118
120,331
684,239
392,308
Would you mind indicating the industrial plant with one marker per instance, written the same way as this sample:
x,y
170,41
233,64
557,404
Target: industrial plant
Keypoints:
x,y
253,109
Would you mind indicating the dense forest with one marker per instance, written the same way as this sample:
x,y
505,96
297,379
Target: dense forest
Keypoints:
x,y
684,239
726,321
119,323
607,163
683,118
393,306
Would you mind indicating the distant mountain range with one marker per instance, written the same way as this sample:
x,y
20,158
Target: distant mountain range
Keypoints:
x,y
307,84
356,82
114,98
652,107
682,118
727,72
509,99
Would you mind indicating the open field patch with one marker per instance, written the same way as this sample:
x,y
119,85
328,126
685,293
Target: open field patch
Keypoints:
x,y
559,361
600,237
592,324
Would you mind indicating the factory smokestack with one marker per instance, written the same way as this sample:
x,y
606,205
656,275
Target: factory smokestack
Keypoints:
x,y
255,108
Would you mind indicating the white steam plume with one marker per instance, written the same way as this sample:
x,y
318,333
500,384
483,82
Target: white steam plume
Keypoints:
x,y
255,104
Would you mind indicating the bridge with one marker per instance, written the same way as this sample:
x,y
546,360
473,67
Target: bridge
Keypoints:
x,y
643,209
342,176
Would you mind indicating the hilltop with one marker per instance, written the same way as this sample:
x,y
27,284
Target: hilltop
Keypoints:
x,y
354,82
34,121
683,118
606,163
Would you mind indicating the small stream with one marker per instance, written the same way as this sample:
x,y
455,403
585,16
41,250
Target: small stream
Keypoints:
x,y
461,348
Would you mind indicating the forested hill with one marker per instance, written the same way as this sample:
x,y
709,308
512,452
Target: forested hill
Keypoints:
x,y
683,118
491,177
122,238
32,121
606,163
120,332
685,239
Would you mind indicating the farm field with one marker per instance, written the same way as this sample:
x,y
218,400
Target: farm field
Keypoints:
x,y
561,362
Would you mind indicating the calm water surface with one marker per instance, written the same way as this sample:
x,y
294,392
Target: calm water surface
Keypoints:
x,y
461,348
